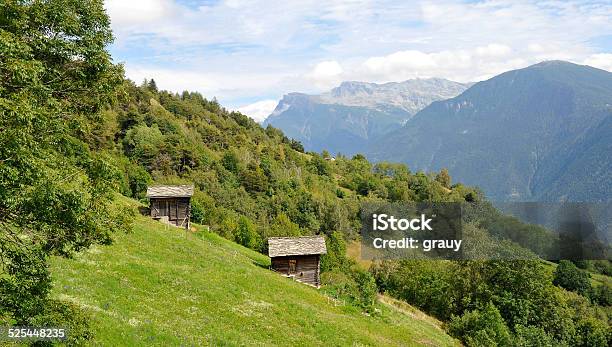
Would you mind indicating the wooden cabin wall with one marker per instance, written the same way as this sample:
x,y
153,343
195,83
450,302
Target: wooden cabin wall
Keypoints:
x,y
307,268
176,209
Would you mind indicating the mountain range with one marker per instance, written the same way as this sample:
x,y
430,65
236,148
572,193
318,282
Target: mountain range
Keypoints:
x,y
348,117
541,133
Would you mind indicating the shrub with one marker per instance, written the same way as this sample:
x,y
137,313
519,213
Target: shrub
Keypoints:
x,y
484,327
197,211
531,336
138,180
602,295
245,233
569,276
366,288
230,162
339,285
357,287
320,166
335,259
68,316
592,333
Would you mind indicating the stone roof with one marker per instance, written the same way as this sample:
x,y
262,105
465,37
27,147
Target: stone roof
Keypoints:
x,y
305,245
180,191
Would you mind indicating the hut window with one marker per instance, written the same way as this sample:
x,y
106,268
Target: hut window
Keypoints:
x,y
292,263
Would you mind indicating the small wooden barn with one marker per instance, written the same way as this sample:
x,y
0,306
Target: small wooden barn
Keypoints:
x,y
298,257
171,204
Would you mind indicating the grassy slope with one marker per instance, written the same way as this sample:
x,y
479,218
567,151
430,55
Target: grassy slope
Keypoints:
x,y
164,286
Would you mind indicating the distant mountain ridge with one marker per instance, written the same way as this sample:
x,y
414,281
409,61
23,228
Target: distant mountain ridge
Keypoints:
x,y
410,96
542,133
348,117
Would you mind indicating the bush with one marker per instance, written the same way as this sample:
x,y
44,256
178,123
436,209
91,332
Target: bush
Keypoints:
x,y
366,288
335,258
532,336
338,285
245,233
320,166
602,295
230,162
357,287
592,333
569,276
68,316
197,211
138,180
484,327
425,284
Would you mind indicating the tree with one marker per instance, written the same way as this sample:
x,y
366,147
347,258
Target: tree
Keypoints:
x,y
230,162
532,336
152,85
602,294
54,192
245,233
481,327
296,145
592,333
569,276
444,178
366,287
143,143
320,165
283,226
253,179
335,258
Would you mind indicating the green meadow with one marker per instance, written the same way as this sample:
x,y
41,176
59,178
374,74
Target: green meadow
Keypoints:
x,y
160,286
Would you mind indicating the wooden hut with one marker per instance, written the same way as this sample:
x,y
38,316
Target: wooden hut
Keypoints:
x,y
298,257
171,204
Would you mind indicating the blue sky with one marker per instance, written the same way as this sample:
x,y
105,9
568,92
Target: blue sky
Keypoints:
x,y
249,53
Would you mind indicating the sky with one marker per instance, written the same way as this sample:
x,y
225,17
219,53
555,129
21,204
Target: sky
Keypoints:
x,y
248,54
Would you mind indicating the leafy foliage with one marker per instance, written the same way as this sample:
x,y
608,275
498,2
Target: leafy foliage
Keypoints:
x,y
481,328
568,276
520,291
54,191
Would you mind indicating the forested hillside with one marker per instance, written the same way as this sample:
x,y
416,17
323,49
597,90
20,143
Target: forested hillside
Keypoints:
x,y
75,133
251,183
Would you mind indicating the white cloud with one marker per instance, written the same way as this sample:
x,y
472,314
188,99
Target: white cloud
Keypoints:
x,y
125,14
398,61
244,50
259,110
601,60
326,74
174,80
224,86
459,65
493,50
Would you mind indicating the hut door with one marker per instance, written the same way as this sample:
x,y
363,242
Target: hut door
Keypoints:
x,y
292,266
172,209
